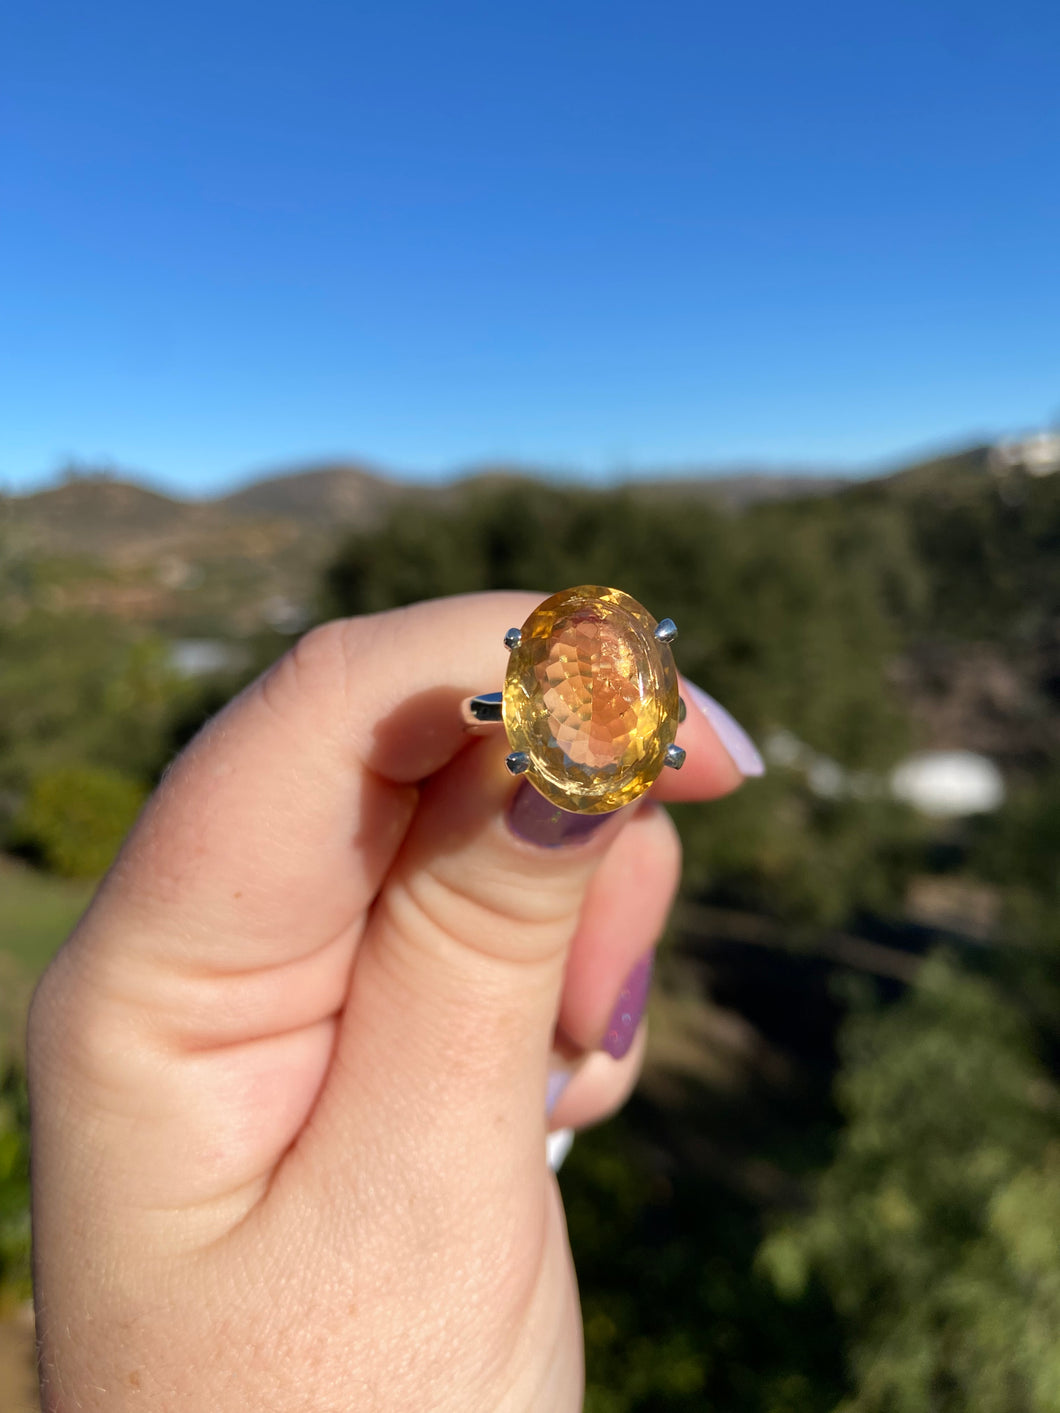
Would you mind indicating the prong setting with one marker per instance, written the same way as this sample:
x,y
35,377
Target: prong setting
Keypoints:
x,y
487,709
513,638
666,632
682,710
518,762
675,757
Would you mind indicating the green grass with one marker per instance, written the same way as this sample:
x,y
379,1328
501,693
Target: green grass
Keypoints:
x,y
36,914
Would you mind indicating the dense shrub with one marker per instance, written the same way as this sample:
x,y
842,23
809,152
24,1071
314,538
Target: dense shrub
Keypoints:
x,y
935,1228
73,819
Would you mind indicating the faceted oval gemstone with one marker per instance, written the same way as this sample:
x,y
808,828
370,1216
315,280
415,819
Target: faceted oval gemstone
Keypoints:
x,y
591,697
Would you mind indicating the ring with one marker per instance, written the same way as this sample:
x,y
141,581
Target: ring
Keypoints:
x,y
590,702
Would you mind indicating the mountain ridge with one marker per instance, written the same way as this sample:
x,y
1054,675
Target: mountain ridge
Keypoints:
x,y
288,521
328,493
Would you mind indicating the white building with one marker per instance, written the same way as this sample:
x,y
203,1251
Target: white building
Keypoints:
x,y
1037,455
942,784
949,784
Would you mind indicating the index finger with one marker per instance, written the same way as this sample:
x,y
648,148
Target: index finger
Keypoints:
x,y
271,834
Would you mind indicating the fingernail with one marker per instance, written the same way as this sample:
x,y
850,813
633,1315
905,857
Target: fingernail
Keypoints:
x,y
629,1008
557,1083
730,733
557,1146
536,820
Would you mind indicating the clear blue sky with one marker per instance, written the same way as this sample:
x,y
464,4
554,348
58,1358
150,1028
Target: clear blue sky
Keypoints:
x,y
589,235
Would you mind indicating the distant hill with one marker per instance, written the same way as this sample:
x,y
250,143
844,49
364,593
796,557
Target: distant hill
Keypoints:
x,y
104,513
270,537
318,495
96,515
298,513
251,561
739,489
950,472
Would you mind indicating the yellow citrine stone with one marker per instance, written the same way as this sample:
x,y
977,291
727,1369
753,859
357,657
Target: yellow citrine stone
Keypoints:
x,y
591,697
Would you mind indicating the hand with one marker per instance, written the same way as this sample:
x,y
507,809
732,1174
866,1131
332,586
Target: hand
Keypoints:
x,y
288,1076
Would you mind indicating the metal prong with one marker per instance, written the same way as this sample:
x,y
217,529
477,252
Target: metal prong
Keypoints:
x,y
682,710
674,758
484,710
518,762
513,638
666,631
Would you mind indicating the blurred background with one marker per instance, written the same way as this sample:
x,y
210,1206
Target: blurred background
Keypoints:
x,y
752,312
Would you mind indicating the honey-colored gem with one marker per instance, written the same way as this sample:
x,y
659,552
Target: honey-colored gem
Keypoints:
x,y
591,697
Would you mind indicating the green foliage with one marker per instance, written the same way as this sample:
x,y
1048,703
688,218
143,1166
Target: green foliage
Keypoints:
x,y
675,1317
769,604
987,548
74,818
14,1187
1020,845
935,1226
786,613
777,848
931,1248
1017,851
80,688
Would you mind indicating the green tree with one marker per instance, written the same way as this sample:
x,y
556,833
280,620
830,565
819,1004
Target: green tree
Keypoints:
x,y
73,819
80,688
934,1229
786,613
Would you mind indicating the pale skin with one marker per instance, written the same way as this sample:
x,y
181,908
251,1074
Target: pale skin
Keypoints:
x,y
288,1075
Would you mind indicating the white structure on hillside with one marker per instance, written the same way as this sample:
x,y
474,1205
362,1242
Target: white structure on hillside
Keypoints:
x,y
942,784
948,784
1037,455
204,657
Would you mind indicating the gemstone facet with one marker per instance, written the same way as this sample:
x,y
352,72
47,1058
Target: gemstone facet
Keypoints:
x,y
590,697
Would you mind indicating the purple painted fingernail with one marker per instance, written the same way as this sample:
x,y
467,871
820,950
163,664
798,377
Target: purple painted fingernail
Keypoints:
x,y
538,821
557,1083
629,1008
730,733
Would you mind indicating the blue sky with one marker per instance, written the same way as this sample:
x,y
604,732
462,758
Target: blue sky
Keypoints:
x,y
600,236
